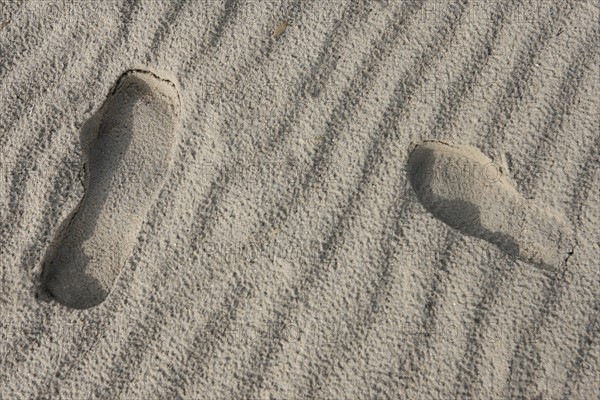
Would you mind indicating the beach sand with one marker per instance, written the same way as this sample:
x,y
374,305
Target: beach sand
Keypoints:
x,y
318,220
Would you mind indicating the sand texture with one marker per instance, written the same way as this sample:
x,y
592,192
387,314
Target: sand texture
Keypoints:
x,y
299,199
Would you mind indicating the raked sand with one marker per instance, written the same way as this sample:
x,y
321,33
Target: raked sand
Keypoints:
x,y
299,200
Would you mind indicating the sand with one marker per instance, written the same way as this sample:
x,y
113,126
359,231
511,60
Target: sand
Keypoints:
x,y
278,241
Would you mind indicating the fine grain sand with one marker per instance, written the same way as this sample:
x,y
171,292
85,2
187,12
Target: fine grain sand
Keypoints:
x,y
299,200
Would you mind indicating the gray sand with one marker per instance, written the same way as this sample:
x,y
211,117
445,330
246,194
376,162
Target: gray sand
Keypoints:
x,y
284,253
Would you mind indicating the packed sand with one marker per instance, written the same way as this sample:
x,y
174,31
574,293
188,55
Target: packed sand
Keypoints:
x,y
299,200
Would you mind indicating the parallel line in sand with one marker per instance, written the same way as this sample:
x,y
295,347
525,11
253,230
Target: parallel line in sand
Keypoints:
x,y
202,344
474,344
493,283
32,68
585,180
320,160
448,111
231,168
25,154
218,326
396,106
212,201
34,248
128,10
44,228
225,20
467,371
168,21
226,173
558,286
560,105
118,39
208,208
329,53
422,63
519,76
366,68
550,303
86,345
381,291
230,11
587,341
411,363
432,299
311,175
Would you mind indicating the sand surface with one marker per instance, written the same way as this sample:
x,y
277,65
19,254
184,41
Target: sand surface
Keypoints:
x,y
283,250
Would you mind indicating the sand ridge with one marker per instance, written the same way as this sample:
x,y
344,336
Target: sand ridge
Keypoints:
x,y
287,254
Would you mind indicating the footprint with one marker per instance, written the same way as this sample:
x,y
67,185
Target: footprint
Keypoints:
x,y
466,190
127,160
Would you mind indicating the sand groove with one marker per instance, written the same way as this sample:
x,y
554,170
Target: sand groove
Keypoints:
x,y
383,300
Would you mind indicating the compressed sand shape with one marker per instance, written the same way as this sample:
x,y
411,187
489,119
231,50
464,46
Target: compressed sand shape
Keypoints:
x,y
466,190
127,162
